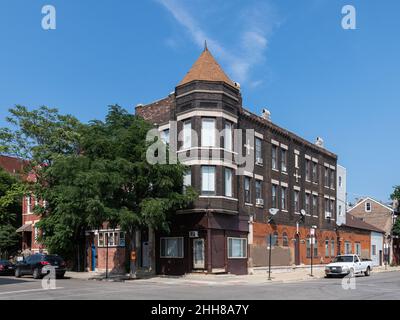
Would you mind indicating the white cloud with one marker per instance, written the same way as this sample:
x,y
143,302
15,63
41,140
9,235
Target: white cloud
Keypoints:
x,y
256,21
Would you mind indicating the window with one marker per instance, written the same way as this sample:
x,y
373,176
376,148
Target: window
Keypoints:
x,y
259,189
327,206
171,247
340,210
308,202
275,239
374,250
208,133
332,208
208,180
247,195
283,160
296,201
358,248
122,239
275,157
187,135
315,205
296,160
101,239
187,179
326,177
228,182
308,170
326,248
340,181
308,247
347,247
237,248
165,136
228,136
259,151
285,240
368,207
274,198
315,172
332,180
332,248
28,204
284,198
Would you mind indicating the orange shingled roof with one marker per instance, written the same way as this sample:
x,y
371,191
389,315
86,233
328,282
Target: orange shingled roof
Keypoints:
x,y
206,68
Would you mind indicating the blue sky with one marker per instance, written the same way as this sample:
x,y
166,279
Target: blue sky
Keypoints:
x,y
290,56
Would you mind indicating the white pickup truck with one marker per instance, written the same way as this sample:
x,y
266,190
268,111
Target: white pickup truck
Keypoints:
x,y
348,264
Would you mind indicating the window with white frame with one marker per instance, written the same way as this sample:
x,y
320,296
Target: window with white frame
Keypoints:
x,y
284,198
187,179
315,205
332,207
28,204
315,172
368,207
208,180
247,194
171,247
284,160
274,202
228,182
308,170
326,177
165,136
113,238
237,248
187,134
347,247
259,157
274,157
332,179
228,136
259,189
208,132
327,206
358,248
296,201
296,160
332,248
326,247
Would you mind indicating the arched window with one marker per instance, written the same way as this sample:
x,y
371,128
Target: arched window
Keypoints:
x,y
332,247
285,240
326,247
275,241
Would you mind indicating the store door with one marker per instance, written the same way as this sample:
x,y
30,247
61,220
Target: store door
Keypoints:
x,y
198,254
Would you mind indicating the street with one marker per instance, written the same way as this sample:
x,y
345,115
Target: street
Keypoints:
x,y
385,285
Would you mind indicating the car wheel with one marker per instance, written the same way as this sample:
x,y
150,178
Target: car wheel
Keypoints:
x,y
368,272
18,273
36,273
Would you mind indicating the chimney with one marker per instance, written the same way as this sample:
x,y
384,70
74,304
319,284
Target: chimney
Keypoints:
x,y
266,115
320,142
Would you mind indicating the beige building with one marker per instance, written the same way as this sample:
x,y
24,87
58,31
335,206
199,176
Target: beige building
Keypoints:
x,y
380,216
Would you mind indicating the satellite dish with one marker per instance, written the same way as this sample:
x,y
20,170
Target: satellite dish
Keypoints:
x,y
302,212
273,211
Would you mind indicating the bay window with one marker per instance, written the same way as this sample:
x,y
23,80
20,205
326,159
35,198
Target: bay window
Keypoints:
x,y
228,182
208,132
208,180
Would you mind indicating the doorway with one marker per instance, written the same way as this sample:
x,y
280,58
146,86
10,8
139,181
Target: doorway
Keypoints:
x,y
297,249
93,258
198,254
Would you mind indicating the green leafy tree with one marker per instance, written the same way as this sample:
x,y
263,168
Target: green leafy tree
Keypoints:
x,y
396,197
11,192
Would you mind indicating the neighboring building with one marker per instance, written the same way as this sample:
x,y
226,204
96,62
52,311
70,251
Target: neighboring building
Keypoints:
x,y
361,238
341,188
380,216
226,229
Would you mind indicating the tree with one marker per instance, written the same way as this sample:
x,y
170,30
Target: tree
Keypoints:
x,y
396,197
11,191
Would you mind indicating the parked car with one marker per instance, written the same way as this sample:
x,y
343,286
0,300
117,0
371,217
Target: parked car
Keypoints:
x,y
6,268
38,265
350,264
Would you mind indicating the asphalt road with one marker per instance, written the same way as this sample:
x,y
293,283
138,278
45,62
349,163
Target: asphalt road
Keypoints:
x,y
378,286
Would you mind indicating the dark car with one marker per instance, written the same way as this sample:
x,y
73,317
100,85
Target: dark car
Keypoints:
x,y
6,268
38,265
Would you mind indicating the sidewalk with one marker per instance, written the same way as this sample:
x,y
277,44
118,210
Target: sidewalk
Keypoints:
x,y
278,275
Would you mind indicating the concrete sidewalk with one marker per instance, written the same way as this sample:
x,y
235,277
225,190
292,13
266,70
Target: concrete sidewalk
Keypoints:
x,y
261,277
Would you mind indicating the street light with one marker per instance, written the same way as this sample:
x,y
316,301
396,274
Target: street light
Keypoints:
x,y
272,212
312,238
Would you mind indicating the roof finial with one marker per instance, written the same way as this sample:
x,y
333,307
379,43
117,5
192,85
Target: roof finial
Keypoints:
x,y
205,45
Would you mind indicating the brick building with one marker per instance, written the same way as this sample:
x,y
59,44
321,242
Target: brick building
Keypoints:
x,y
226,229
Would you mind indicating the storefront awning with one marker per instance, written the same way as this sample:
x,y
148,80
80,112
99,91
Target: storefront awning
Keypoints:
x,y
25,228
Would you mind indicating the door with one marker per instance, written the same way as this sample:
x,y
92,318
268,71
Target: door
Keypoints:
x,y
297,250
93,257
198,254
145,255
357,265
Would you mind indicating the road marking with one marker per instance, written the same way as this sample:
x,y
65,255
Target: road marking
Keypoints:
x,y
30,290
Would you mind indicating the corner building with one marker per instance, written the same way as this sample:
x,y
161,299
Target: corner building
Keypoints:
x,y
226,229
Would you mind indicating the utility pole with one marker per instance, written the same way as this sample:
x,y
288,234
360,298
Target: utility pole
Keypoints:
x,y
272,212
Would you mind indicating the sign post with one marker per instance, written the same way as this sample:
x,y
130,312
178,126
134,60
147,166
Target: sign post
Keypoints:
x,y
312,239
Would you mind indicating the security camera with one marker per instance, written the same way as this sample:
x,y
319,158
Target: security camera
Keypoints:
x,y
302,212
273,211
